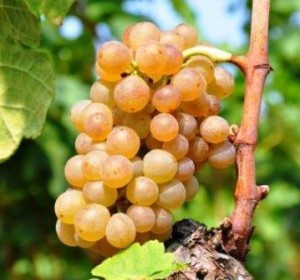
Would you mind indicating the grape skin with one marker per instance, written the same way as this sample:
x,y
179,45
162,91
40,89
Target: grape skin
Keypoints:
x,y
102,92
73,171
65,233
163,222
186,169
178,147
222,155
188,125
191,188
166,99
143,217
188,33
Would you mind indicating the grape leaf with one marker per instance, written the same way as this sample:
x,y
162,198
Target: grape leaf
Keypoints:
x,y
54,11
26,91
18,23
147,262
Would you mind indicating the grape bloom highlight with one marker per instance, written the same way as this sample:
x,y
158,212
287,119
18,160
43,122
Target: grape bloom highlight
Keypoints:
x,y
150,124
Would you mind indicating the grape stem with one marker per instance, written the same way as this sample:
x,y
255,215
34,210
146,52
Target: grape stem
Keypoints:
x,y
255,66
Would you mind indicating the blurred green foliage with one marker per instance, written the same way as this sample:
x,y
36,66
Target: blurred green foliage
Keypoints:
x,y
31,179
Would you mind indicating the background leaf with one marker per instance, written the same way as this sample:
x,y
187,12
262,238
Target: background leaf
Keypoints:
x,y
26,91
18,23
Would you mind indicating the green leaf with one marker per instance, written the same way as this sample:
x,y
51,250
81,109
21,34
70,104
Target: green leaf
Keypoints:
x,y
26,91
18,23
185,11
147,262
54,11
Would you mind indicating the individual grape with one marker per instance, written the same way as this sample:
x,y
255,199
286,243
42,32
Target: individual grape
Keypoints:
x,y
73,171
91,221
172,38
97,192
152,143
103,248
139,122
166,99
163,220
126,35
92,163
76,114
94,108
143,217
68,204
178,147
214,105
137,166
102,92
160,166
142,191
142,237
161,237
164,127
114,57
105,76
214,129
99,124
171,195
174,60
186,169
65,233
151,57
202,65
190,83
222,85
198,149
123,141
198,107
116,171
120,230
222,155
188,33
83,243
83,143
188,126
131,94
191,188
143,32
119,116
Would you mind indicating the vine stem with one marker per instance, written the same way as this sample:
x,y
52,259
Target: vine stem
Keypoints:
x,y
255,65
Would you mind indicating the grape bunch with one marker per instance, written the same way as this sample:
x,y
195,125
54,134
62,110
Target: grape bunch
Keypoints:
x,y
151,123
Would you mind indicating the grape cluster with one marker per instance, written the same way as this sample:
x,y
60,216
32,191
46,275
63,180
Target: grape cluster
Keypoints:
x,y
150,124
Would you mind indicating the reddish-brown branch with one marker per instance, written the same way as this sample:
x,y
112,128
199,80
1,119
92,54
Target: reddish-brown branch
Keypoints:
x,y
255,66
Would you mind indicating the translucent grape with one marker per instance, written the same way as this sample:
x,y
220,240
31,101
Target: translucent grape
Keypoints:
x,y
152,143
198,107
191,188
171,195
164,127
188,126
142,33
76,114
190,83
120,230
119,116
123,141
214,129
214,105
139,122
99,124
163,220
97,192
178,147
126,35
142,191
107,76
102,92
151,57
161,237
103,248
222,85
172,38
174,60
137,166
90,222
83,243
160,166
114,57
188,33
92,163
166,99
68,204
116,171
198,149
143,217
202,65
131,94
222,155
186,169
65,233
83,143
73,171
